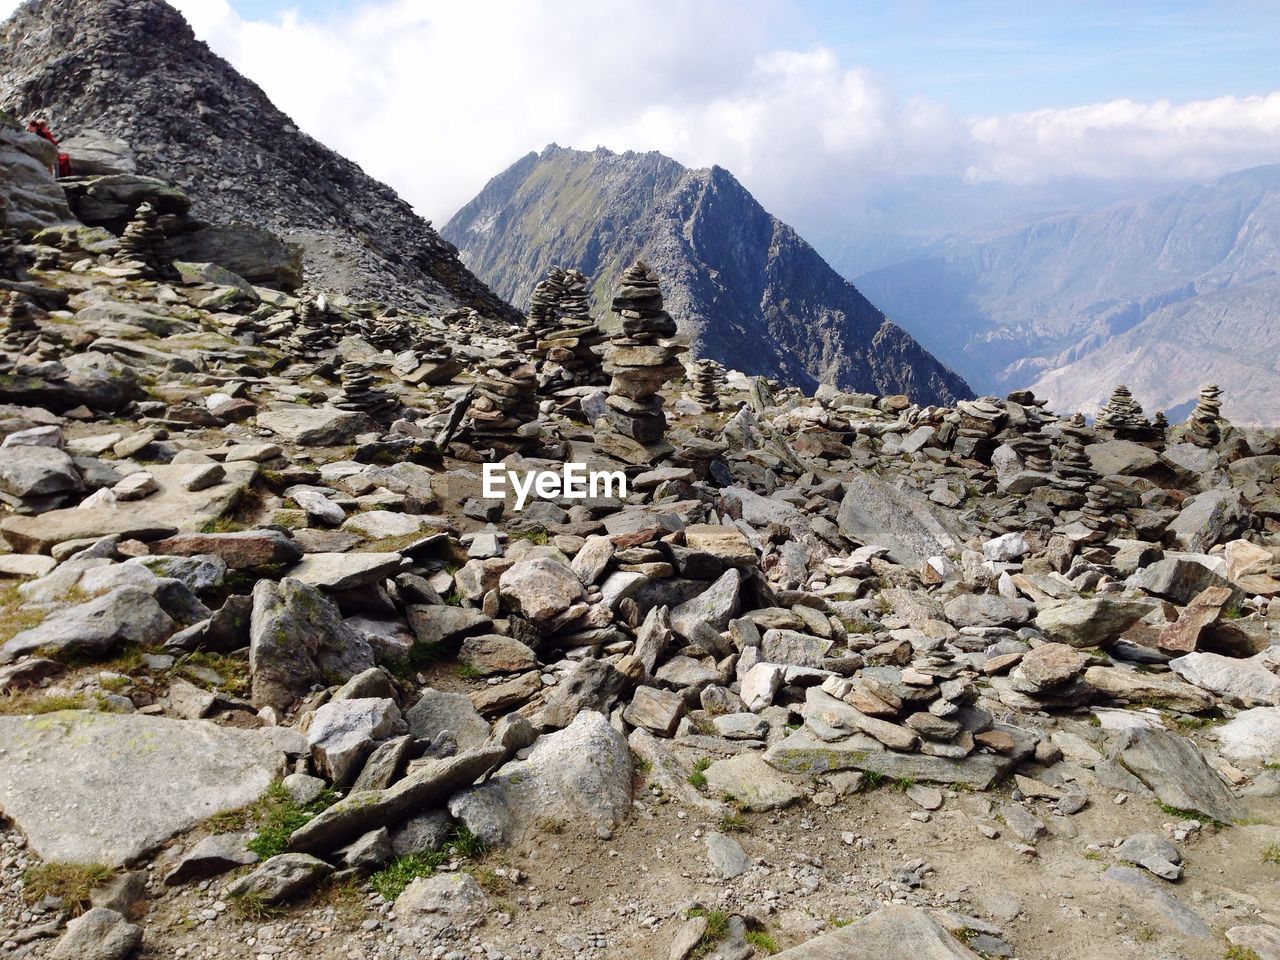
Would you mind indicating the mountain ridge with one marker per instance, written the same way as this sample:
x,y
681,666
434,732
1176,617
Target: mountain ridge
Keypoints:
x,y
135,69
746,287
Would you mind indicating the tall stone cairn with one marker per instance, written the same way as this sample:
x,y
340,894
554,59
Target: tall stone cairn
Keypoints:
x,y
315,331
642,359
506,400
1204,425
1122,416
142,244
359,393
19,313
707,384
560,334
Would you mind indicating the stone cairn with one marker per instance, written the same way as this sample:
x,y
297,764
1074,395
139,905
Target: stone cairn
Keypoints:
x,y
315,331
560,335
21,330
979,422
360,395
1204,425
1030,441
386,332
142,244
707,383
642,359
506,400
1122,416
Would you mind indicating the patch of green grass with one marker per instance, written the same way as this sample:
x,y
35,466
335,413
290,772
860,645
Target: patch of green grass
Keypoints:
x,y
420,655
467,672
903,784
640,764
275,815
490,882
698,777
762,942
1271,765
536,535
69,882
1092,855
234,673
1188,814
1145,934
733,823
224,525
839,922
1237,952
871,781
453,598
1271,853
33,703
717,930
251,907
402,871
16,614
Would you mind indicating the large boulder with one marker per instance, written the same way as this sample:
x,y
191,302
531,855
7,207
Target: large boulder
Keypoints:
x,y
343,733
315,426
891,933
580,776
253,253
1176,771
431,905
36,472
1252,736
1209,518
297,639
913,529
98,934
111,200
97,627
1249,682
540,589
87,787
94,153
30,199
1089,621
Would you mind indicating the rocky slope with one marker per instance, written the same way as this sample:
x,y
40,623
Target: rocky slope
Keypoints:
x,y
1159,295
747,290
133,69
841,676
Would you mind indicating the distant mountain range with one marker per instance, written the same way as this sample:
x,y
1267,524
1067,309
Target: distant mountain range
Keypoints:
x,y
1164,294
742,284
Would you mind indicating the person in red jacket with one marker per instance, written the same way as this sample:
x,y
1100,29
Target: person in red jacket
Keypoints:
x,y
40,128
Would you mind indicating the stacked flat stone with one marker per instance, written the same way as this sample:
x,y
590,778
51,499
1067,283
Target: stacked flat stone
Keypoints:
x,y
560,334
315,331
506,400
1032,444
707,382
359,393
386,332
1102,507
1204,425
1072,469
20,314
642,359
142,243
1160,424
1122,416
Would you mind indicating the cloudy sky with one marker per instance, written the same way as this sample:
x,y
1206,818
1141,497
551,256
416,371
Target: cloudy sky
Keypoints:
x,y
804,100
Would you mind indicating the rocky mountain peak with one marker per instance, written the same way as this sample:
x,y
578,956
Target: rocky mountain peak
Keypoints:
x,y
135,70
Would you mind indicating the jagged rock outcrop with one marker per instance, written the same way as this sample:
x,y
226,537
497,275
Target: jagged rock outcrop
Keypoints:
x,y
134,69
746,289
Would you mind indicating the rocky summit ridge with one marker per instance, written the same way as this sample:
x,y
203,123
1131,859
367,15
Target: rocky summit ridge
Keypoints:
x,y
842,676
128,83
745,288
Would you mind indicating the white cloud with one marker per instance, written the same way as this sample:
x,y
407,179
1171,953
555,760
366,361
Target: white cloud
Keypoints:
x,y
435,98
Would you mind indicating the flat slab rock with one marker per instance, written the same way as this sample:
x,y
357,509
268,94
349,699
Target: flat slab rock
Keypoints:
x,y
171,509
891,933
87,787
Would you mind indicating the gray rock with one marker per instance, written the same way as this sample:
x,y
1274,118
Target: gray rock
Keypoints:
x,y
1149,894
1153,853
988,610
794,648
593,558
1176,771
315,426
579,776
658,711
490,654
298,639
346,571
873,512
98,627
281,878
431,905
1208,518
368,852
303,788
891,933
727,857
716,605
421,833
60,780
343,733
592,685
803,753
653,638
1089,621
1176,578
37,472
540,588
240,550
1120,457
385,764
437,711
199,573
1247,682
1251,736
212,856
98,934
751,782
741,726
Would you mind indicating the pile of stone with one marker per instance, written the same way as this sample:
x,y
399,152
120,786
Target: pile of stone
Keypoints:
x,y
21,329
1073,472
707,384
1122,416
1047,677
316,330
505,401
1204,425
142,244
360,395
640,362
560,334
386,331
978,422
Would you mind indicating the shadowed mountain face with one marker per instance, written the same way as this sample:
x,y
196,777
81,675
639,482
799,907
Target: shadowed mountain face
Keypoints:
x,y
749,291
1164,295
133,68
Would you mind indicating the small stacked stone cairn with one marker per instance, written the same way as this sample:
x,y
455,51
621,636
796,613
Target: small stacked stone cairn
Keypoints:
x,y
560,334
387,331
1122,416
1160,424
20,315
1102,508
1204,425
505,400
360,395
142,244
642,359
315,331
980,420
1047,678
1072,468
1029,440
707,381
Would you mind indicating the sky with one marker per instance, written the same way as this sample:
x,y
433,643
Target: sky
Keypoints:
x,y
811,103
